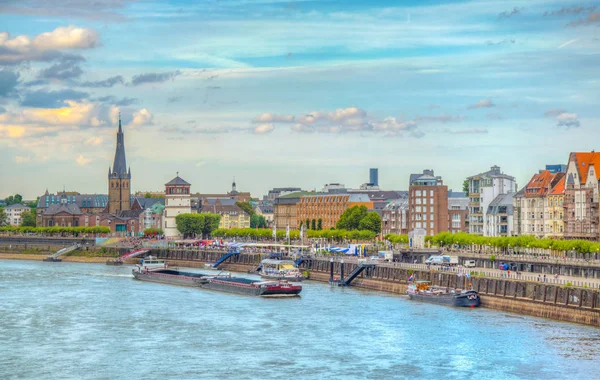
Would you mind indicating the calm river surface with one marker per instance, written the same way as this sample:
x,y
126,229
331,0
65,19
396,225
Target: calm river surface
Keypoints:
x,y
74,321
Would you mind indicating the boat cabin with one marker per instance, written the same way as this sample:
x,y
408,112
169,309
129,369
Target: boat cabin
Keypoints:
x,y
423,285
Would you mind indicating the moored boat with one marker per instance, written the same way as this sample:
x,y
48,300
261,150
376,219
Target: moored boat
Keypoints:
x,y
225,283
169,276
425,291
238,285
280,270
152,263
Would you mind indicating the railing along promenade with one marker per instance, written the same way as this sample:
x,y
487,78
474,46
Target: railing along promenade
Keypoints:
x,y
254,257
479,272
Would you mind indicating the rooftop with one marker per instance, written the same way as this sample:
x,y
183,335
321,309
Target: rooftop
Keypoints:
x,y
177,181
494,172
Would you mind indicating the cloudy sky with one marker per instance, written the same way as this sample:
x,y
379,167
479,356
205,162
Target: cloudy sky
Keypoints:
x,y
292,93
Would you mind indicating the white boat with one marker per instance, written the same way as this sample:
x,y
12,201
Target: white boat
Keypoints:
x,y
151,263
280,270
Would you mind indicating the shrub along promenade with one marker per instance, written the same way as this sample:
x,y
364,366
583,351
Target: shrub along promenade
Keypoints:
x,y
55,231
267,234
525,243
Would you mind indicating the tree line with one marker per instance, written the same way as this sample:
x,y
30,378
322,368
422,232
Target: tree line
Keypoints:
x,y
75,231
463,239
197,225
267,234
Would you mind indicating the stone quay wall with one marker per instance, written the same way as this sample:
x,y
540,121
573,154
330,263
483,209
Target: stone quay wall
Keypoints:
x,y
567,304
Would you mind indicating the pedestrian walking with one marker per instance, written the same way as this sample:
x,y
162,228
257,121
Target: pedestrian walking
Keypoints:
x,y
539,277
544,278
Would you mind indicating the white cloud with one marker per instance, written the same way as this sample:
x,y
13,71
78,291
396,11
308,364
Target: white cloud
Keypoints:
x,y
567,120
46,46
141,117
563,118
82,161
484,103
264,129
273,118
94,140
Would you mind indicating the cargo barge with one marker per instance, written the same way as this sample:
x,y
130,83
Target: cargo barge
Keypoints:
x,y
224,283
424,291
169,276
250,287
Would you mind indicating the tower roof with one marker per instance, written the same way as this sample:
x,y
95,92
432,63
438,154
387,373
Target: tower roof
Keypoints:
x,y
177,181
120,163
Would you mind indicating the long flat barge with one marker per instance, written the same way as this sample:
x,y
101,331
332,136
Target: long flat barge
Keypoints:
x,y
227,284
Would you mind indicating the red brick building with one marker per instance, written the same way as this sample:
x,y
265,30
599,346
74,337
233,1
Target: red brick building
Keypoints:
x,y
428,203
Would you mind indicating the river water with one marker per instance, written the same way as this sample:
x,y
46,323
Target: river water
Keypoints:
x,y
75,321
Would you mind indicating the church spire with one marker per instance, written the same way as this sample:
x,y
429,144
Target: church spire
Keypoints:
x,y
120,164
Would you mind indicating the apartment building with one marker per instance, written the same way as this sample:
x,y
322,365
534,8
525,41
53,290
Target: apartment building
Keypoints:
x,y
554,226
483,189
500,216
328,207
533,211
428,203
394,217
14,213
581,196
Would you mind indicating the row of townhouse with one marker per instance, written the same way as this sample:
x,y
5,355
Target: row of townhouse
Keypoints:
x,y
560,201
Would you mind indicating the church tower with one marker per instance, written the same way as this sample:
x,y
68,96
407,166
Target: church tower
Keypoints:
x,y
119,179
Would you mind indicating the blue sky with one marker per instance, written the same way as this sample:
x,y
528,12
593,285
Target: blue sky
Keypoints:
x,y
293,93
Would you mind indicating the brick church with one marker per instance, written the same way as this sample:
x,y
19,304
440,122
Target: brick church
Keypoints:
x,y
123,213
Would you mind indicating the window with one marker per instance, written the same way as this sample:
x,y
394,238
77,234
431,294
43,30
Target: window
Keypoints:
x,y
418,208
418,193
418,224
418,201
431,225
431,209
430,216
431,193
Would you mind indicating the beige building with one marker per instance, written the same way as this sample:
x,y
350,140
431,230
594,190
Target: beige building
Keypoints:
x,y
533,211
285,210
14,213
555,226
177,201
232,216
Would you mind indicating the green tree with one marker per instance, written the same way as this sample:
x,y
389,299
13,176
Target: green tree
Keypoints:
x,y
197,225
351,218
371,222
3,218
301,224
28,219
466,187
307,224
33,204
211,223
246,206
320,224
147,195
313,224
254,221
11,200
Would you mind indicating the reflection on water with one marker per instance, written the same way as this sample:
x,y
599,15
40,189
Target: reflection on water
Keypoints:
x,y
67,320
